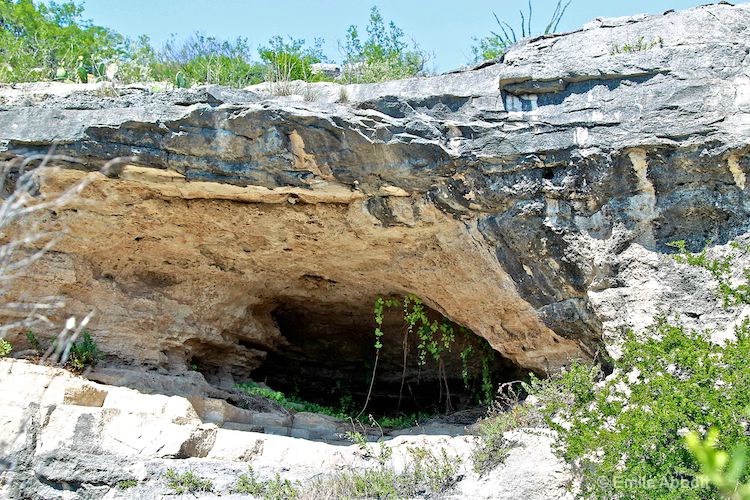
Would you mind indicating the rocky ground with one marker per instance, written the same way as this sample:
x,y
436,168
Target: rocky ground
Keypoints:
x,y
65,436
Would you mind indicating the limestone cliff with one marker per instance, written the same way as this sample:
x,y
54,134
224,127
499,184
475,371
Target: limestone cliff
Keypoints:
x,y
531,199
528,199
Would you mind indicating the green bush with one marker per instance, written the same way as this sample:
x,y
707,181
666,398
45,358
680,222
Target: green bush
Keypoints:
x,y
492,447
126,484
345,411
624,434
639,45
732,291
203,59
382,55
46,41
33,341
5,348
718,467
84,353
289,60
187,482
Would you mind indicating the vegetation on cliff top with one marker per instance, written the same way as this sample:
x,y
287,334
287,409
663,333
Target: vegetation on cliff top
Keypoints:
x,y
54,41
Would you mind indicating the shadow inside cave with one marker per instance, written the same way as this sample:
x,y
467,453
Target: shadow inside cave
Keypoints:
x,y
433,367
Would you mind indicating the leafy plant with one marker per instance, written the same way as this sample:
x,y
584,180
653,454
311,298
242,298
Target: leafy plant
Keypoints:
x,y
438,472
425,474
126,484
627,428
718,468
83,353
33,341
187,482
492,447
382,55
289,60
491,47
434,338
45,41
344,412
5,348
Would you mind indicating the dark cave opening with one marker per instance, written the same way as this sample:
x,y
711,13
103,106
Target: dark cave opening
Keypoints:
x,y
331,351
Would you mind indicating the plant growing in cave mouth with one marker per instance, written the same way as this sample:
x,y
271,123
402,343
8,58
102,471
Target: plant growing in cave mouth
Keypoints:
x,y
434,338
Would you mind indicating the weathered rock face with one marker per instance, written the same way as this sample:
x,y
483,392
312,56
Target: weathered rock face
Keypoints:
x,y
525,200
68,438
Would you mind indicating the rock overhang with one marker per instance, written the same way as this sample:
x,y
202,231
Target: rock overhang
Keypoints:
x,y
502,195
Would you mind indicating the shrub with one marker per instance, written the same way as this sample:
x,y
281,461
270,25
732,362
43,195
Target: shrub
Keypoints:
x,y
126,484
202,59
717,467
187,482
33,341
732,290
5,348
492,447
83,353
508,412
639,45
248,484
289,60
290,402
46,41
624,434
495,45
383,55
345,411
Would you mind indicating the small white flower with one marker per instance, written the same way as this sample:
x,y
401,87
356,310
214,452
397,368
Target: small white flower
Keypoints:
x,y
609,424
562,423
623,388
633,376
682,432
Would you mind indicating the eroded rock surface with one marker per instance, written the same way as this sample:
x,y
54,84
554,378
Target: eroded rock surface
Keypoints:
x,y
66,437
515,198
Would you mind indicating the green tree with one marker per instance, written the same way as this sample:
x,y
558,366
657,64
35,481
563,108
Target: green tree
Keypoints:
x,y
382,55
289,60
45,41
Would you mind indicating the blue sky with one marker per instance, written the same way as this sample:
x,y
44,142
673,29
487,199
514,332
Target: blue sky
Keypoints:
x,y
443,27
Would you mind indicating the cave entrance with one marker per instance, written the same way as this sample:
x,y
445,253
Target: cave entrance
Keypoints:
x,y
331,351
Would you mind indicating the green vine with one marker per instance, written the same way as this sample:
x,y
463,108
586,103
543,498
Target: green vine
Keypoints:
x,y
434,338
